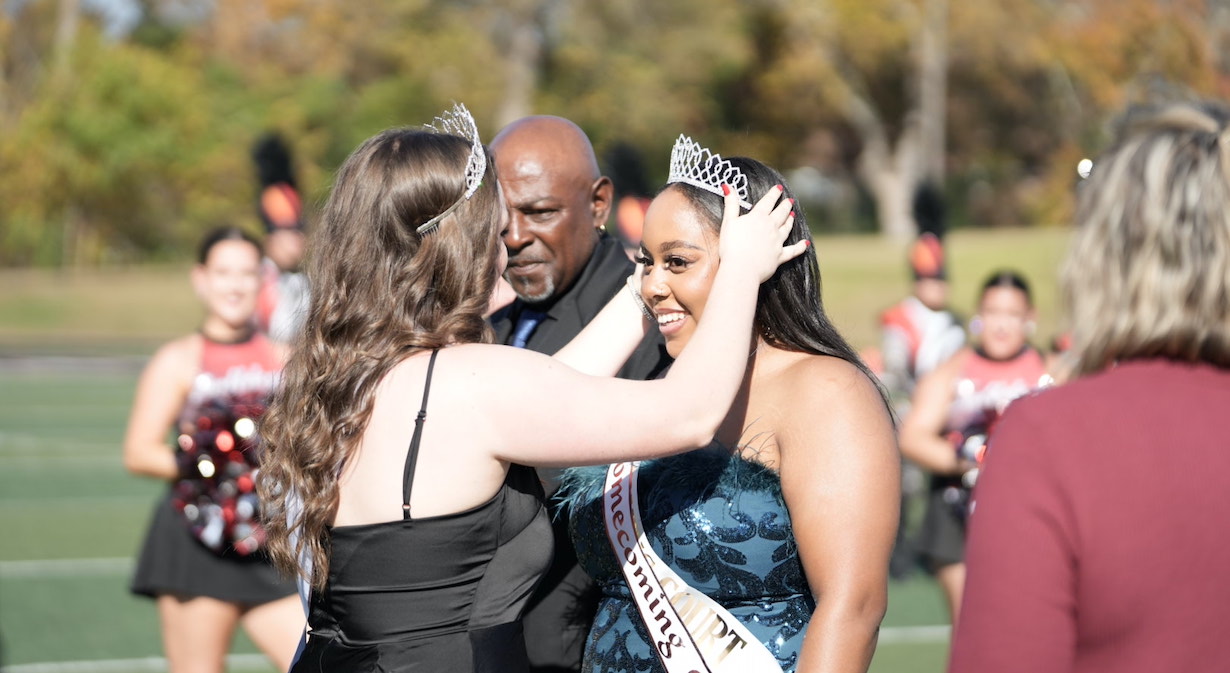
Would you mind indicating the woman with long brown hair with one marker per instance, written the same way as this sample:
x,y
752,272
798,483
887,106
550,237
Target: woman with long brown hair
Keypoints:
x,y
426,557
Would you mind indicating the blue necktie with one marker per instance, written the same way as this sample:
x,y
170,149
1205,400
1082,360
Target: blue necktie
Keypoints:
x,y
525,327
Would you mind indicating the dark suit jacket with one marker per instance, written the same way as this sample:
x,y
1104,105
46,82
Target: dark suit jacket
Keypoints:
x,y
603,276
562,609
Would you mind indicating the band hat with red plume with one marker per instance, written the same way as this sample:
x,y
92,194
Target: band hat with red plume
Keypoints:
x,y
632,191
927,258
279,204
927,253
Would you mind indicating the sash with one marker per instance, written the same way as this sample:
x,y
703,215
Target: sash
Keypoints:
x,y
690,632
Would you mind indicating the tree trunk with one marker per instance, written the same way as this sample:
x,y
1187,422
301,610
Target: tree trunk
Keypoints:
x,y
891,174
68,18
521,61
889,170
933,88
891,191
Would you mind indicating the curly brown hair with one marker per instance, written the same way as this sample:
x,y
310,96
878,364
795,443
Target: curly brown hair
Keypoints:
x,y
380,293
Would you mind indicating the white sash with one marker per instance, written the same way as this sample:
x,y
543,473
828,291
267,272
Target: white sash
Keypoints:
x,y
690,631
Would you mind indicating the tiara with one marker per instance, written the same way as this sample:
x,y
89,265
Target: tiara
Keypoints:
x,y
697,166
457,121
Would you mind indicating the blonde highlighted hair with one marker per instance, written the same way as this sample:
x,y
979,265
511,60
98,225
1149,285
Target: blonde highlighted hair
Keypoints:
x,y
381,292
1148,271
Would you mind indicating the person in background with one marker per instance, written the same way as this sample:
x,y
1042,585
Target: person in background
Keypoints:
x,y
1096,541
284,294
918,334
955,410
783,524
564,268
632,195
202,560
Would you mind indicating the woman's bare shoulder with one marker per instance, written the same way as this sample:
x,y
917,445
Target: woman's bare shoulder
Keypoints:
x,y
825,375
466,364
819,389
951,367
180,356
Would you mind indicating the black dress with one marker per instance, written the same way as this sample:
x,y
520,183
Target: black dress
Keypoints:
x,y
442,593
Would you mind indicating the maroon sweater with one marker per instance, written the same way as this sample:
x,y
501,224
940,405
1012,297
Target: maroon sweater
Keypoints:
x,y
1099,537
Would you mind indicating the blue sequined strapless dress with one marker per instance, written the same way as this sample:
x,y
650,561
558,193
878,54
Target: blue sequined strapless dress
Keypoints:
x,y
721,523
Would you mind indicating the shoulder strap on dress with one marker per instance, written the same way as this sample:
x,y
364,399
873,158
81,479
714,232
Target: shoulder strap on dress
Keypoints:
x,y
412,456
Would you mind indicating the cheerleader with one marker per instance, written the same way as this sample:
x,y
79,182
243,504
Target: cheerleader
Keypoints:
x,y
954,411
202,559
283,300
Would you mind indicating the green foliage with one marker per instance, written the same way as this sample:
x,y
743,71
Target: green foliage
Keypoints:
x,y
118,150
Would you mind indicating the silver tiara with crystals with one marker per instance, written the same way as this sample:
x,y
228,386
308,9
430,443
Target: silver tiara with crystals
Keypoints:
x,y
457,121
697,166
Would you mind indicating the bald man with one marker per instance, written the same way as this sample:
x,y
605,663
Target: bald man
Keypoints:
x,y
564,268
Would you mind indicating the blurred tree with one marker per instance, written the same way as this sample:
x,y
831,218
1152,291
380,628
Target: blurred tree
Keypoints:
x,y
121,146
100,167
641,71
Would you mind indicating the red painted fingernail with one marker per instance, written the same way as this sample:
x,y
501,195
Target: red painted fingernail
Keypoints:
x,y
806,244
792,213
792,203
726,189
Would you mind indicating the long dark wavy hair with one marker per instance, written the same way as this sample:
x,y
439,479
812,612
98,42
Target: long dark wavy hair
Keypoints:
x,y
380,293
789,310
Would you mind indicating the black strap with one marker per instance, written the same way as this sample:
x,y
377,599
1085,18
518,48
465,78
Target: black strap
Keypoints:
x,y
413,456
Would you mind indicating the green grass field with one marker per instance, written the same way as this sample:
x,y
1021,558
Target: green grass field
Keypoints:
x,y
131,310
71,518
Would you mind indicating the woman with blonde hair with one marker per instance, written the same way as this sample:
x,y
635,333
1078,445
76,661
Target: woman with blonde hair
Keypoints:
x,y
424,558
1095,542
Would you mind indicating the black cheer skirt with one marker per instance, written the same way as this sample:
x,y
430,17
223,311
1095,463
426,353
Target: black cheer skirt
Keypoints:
x,y
941,541
172,562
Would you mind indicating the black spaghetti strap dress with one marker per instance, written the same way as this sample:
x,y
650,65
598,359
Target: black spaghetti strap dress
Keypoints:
x,y
441,593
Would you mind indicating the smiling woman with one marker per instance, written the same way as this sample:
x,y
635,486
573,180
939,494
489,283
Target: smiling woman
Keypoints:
x,y
781,528
679,251
954,410
202,560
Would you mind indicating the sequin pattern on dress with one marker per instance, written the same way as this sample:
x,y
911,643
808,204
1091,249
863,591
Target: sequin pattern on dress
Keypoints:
x,y
721,523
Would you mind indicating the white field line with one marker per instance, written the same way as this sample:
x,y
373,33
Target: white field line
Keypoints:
x,y
29,445
65,461
31,441
53,568
74,502
66,364
903,635
234,662
889,635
